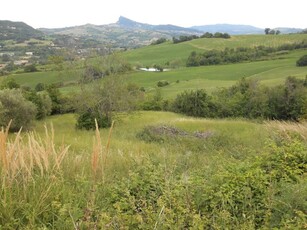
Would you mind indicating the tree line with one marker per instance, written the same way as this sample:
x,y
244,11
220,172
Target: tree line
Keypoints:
x,y
185,38
102,99
240,54
248,99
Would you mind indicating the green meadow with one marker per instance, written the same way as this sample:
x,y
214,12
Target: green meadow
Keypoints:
x,y
161,170
168,52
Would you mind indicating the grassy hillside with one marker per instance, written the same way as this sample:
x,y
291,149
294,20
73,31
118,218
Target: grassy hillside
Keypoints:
x,y
161,170
128,125
224,179
168,52
270,72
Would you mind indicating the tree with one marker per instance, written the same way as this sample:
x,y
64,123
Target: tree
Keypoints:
x,y
207,35
101,101
159,41
302,61
39,87
16,108
57,61
6,58
9,83
193,59
55,96
42,102
267,30
30,68
194,103
272,32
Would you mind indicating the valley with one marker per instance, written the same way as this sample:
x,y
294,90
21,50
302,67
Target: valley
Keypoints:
x,y
89,140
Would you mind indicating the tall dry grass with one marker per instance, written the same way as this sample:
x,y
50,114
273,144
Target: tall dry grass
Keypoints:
x,y
286,127
29,154
100,154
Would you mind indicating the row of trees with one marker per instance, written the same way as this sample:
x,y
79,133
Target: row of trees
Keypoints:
x,y
249,99
23,105
240,54
205,35
98,99
271,31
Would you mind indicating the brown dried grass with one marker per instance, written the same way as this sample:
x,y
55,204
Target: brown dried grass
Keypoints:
x,y
100,154
286,127
27,154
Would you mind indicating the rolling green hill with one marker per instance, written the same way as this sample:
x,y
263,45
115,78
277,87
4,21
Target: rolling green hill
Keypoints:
x,y
169,52
270,72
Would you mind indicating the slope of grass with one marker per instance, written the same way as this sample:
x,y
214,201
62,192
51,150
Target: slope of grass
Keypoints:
x,y
229,179
270,72
128,125
31,79
167,52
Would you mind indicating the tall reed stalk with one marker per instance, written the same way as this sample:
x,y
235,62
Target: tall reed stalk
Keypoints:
x,y
28,154
100,154
285,127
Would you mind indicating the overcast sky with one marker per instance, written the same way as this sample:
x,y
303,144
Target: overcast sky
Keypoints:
x,y
63,13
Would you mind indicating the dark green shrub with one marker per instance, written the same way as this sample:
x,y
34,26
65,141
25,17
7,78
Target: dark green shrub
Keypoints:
x,y
39,87
194,103
162,83
87,121
42,102
302,61
13,106
30,68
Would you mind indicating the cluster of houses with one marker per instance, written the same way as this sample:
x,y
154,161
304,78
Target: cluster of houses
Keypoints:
x,y
21,61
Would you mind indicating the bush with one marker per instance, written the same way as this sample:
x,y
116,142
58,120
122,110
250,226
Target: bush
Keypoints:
x,y
9,83
159,41
16,108
30,68
39,87
194,103
87,121
302,61
162,83
42,101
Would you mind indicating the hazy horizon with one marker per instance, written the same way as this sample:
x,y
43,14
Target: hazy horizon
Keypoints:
x,y
58,14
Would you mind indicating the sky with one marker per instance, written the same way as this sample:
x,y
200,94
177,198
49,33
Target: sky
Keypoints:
x,y
186,13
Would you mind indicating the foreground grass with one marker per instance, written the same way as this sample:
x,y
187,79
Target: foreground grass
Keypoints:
x,y
128,125
118,179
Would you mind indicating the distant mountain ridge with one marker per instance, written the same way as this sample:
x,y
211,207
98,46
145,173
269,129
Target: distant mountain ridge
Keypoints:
x,y
230,29
128,23
19,31
241,29
128,33
125,33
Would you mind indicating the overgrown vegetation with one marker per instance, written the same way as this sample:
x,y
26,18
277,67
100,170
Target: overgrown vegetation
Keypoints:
x,y
156,170
43,185
248,99
239,54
